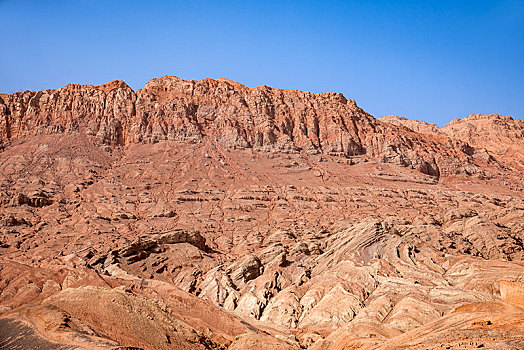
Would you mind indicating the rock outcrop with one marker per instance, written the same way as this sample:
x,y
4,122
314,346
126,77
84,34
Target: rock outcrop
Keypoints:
x,y
502,136
512,291
227,112
415,125
491,135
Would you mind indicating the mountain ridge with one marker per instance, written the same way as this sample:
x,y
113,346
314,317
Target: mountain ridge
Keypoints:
x,y
502,136
237,116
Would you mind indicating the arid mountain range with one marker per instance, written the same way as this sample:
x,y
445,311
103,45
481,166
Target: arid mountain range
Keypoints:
x,y
211,215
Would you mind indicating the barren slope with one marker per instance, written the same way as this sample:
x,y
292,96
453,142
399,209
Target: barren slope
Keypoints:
x,y
226,216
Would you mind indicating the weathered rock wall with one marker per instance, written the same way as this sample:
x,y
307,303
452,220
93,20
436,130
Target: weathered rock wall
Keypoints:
x,y
236,116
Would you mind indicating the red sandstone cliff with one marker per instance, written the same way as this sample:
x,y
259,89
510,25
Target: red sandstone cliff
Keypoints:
x,y
236,116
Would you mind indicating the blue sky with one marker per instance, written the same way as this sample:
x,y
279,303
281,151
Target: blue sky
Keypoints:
x,y
428,60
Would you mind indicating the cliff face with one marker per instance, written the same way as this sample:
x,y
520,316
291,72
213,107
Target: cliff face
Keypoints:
x,y
231,114
94,110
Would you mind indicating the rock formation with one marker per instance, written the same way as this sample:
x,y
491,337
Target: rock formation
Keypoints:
x,y
231,114
224,216
501,136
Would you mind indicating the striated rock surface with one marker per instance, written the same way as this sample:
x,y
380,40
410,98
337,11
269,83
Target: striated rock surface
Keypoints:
x,y
210,215
231,114
500,136
512,291
415,125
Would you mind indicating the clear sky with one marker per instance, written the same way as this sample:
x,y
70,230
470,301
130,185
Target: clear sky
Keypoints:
x,y
428,60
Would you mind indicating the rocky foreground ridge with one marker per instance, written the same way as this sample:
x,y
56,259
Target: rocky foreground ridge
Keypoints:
x,y
211,215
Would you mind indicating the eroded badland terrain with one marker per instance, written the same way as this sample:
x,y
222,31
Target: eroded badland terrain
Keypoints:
x,y
210,215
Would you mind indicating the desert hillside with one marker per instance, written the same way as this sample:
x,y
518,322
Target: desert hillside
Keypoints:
x,y
210,215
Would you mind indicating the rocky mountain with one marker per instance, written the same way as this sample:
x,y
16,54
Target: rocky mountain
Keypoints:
x,y
235,116
415,125
502,136
207,214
